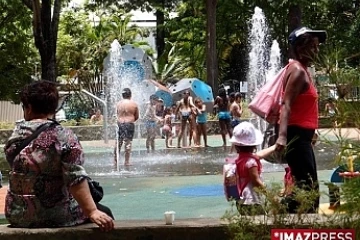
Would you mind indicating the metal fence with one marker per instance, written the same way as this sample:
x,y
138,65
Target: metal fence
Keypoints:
x,y
10,112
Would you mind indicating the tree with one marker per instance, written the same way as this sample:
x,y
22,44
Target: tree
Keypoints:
x,y
84,43
159,6
18,56
46,15
211,55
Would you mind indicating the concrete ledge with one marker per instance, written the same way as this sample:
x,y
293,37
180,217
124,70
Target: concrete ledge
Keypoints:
x,y
183,229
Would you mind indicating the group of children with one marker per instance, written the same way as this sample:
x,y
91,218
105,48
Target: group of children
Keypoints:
x,y
198,119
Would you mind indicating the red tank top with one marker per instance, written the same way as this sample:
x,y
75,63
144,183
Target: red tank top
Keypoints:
x,y
243,172
304,110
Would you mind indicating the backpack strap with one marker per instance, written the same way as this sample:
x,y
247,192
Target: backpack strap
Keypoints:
x,y
247,181
292,61
22,144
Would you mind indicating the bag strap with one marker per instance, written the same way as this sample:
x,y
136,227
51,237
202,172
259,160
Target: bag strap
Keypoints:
x,y
292,61
35,134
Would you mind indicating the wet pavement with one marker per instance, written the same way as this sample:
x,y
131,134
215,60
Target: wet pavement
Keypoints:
x,y
187,181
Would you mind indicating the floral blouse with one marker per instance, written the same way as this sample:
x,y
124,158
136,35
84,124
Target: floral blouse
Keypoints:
x,y
41,175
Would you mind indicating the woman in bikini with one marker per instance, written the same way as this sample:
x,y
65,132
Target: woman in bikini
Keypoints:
x,y
186,108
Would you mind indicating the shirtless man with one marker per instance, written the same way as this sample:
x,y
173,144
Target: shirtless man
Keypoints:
x,y
186,108
236,110
221,104
127,113
151,121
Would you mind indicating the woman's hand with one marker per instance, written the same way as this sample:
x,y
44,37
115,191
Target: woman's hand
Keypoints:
x,y
105,222
82,195
280,144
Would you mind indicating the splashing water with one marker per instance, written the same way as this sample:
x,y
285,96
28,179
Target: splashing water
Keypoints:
x,y
274,64
258,52
262,67
122,73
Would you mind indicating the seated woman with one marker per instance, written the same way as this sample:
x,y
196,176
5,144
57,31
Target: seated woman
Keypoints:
x,y
47,182
97,118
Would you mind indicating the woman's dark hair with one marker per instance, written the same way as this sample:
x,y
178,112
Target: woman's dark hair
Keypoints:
x,y
249,149
166,111
222,92
301,42
43,97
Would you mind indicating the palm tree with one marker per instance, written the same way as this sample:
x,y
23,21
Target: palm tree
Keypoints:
x,y
168,68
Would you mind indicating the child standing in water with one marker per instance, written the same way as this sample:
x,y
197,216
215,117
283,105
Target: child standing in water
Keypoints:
x,y
167,128
201,120
249,168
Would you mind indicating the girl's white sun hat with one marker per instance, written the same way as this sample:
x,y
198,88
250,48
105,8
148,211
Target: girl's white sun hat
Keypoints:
x,y
245,134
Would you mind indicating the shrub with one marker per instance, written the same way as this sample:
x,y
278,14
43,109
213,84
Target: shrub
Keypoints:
x,y
7,125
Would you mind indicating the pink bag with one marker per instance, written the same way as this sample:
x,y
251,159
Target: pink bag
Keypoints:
x,y
267,102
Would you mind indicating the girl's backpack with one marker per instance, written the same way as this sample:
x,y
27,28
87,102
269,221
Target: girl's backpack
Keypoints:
x,y
230,182
231,189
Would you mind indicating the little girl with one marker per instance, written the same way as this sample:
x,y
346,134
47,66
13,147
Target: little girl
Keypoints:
x,y
167,128
248,167
201,120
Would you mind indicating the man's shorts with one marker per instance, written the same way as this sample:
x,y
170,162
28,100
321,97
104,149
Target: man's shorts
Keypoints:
x,y
150,124
126,131
234,122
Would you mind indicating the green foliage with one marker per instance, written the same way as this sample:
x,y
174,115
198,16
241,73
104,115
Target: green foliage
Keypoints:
x,y
84,43
16,48
259,226
7,125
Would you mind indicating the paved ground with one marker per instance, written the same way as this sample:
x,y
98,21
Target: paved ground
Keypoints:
x,y
148,197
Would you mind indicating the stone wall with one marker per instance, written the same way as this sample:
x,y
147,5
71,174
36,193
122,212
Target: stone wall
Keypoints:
x,y
95,132
184,229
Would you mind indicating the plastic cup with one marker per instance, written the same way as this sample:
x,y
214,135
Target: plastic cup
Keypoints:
x,y
169,217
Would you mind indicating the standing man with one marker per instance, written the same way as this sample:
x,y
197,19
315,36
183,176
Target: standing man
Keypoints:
x,y
236,110
151,121
127,113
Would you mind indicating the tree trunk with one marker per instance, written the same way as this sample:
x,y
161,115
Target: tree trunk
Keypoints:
x,y
45,30
211,55
160,33
294,19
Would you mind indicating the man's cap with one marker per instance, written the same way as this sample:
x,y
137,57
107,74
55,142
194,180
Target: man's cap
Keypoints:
x,y
126,91
320,34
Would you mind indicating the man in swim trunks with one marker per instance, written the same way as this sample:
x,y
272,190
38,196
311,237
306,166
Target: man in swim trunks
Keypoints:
x,y
186,108
127,113
222,105
151,121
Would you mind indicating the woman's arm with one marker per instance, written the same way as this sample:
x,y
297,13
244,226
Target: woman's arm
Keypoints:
x,y
81,193
296,82
73,175
203,108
